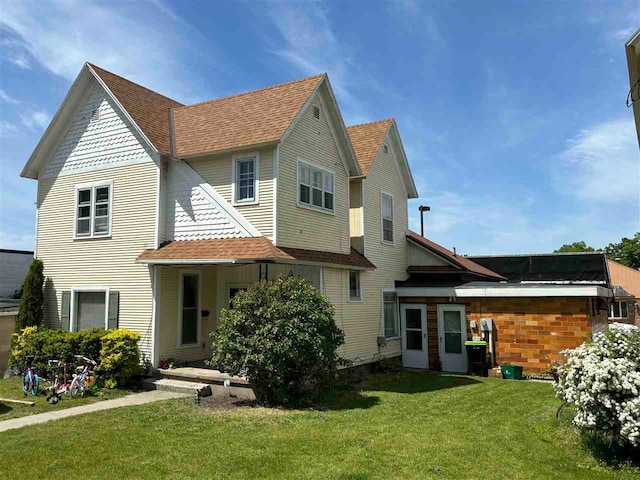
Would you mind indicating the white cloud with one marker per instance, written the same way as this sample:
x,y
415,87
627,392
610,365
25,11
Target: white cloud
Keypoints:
x,y
21,61
602,164
35,119
311,47
62,35
8,129
5,97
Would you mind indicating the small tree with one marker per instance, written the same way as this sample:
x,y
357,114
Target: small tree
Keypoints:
x,y
282,336
32,300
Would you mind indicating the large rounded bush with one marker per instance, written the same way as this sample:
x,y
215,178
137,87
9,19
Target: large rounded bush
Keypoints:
x,y
282,336
602,380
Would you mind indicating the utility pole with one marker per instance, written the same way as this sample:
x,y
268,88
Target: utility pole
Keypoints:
x,y
423,208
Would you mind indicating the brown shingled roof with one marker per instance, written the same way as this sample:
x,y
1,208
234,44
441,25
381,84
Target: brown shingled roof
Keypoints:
x,y
149,109
462,262
366,139
243,120
259,248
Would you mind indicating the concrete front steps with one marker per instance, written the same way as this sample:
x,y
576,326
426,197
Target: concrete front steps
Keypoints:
x,y
208,381
176,386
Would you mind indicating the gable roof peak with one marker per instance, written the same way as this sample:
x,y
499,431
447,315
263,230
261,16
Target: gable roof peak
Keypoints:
x,y
137,85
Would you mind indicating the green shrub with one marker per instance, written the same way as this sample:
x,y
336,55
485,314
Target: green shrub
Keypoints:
x,y
120,356
115,351
32,299
45,344
282,336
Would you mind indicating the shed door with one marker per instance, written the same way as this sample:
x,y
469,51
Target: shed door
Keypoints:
x,y
413,320
452,333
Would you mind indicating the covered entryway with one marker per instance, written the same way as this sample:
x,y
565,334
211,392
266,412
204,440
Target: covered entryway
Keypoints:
x,y
413,320
452,333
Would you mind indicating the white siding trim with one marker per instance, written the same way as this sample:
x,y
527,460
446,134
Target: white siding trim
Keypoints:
x,y
210,193
124,111
276,154
498,292
155,317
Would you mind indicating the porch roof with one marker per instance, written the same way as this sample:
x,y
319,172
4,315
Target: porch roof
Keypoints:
x,y
247,250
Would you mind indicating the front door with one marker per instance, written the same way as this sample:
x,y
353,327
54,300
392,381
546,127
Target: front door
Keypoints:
x,y
452,333
413,320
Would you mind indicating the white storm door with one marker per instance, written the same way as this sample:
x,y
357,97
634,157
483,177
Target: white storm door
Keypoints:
x,y
413,319
452,333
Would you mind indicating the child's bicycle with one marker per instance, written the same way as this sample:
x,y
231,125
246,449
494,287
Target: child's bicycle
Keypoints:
x,y
30,379
84,380
58,388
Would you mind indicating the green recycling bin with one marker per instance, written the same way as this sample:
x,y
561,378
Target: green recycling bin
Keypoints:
x,y
511,372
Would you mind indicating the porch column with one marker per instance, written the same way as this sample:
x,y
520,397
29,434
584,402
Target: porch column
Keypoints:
x,y
155,320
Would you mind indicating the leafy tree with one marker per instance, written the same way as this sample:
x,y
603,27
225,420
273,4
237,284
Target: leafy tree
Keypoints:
x,y
282,336
32,300
575,247
627,251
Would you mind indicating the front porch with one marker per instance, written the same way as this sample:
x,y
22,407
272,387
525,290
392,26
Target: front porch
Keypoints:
x,y
191,298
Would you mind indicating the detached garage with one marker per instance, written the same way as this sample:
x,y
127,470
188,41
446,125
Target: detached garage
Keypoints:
x,y
527,307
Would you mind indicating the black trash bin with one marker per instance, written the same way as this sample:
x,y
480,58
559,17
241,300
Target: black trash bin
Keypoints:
x,y
477,357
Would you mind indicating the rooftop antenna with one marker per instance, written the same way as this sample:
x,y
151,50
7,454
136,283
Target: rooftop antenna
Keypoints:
x,y
423,208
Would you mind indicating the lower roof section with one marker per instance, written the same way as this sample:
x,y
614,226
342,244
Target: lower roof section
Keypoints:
x,y
501,290
247,250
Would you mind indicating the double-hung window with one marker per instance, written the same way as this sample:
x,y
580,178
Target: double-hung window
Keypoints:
x,y
619,310
316,187
386,207
93,210
390,313
355,291
245,174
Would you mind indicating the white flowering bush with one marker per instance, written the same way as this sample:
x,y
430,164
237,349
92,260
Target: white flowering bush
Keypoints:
x,y
602,380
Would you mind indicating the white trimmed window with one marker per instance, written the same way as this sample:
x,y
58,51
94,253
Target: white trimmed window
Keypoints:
x,y
355,292
316,187
619,310
93,210
245,179
386,207
390,314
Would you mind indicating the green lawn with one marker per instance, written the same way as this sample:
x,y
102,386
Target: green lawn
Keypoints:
x,y
404,426
11,389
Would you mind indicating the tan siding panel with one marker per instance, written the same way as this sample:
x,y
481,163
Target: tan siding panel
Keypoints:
x,y
312,140
110,262
218,171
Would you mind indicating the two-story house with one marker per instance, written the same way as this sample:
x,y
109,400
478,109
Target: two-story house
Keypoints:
x,y
151,214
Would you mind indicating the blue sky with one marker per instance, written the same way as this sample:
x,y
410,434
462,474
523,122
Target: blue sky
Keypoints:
x,y
512,113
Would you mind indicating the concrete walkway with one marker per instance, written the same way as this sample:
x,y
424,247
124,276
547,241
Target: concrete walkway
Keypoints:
x,y
126,401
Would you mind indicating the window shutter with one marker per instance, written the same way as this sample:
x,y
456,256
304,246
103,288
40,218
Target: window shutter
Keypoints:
x,y
65,311
114,305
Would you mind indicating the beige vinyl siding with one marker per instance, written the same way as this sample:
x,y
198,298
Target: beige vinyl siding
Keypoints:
x,y
109,262
355,209
169,315
419,256
312,140
217,170
362,322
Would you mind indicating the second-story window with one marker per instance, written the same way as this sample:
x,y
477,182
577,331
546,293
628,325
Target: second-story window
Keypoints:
x,y
245,179
93,210
316,187
386,205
